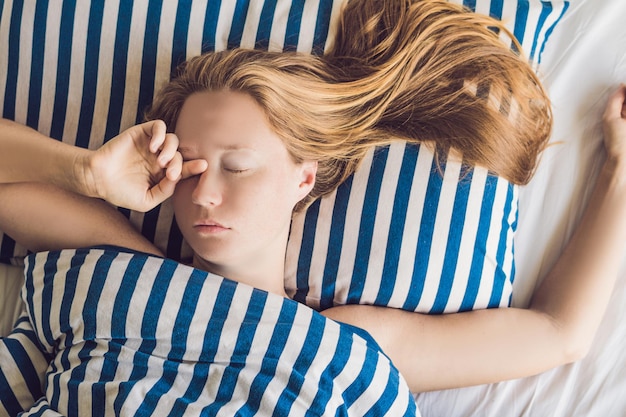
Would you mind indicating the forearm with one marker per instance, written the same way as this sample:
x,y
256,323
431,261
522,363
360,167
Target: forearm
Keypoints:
x,y
577,290
436,352
28,156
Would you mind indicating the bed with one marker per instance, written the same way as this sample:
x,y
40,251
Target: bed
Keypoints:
x,y
582,61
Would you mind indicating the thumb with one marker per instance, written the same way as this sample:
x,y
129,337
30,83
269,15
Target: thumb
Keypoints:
x,y
159,193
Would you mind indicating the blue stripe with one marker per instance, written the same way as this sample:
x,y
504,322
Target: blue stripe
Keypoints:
x,y
425,238
109,369
335,243
181,32
178,342
38,48
50,269
496,9
278,343
149,324
303,362
334,368
150,218
266,21
41,408
453,245
13,58
210,346
7,397
7,248
163,385
244,342
294,22
64,61
388,397
180,332
363,380
306,252
550,30
65,321
216,322
69,284
90,75
238,23
366,227
201,370
521,17
148,68
24,363
174,242
90,326
121,307
471,4
397,225
27,333
322,25
118,75
210,25
480,245
124,297
546,10
500,277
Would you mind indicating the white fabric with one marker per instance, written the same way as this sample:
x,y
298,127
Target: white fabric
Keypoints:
x,y
584,61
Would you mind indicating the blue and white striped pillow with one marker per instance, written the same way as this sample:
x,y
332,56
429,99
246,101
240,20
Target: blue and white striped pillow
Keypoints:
x,y
400,234
82,71
122,341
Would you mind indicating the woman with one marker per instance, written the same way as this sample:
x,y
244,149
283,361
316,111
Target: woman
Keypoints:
x,y
206,173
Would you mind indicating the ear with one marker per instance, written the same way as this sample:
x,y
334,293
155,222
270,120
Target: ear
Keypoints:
x,y
307,173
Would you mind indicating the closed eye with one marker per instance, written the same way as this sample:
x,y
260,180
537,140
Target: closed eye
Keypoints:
x,y
236,171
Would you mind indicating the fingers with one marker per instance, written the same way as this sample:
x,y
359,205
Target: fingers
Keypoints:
x,y
616,106
169,150
161,142
174,167
156,131
193,167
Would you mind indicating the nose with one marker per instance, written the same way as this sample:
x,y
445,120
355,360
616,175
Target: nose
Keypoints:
x,y
208,190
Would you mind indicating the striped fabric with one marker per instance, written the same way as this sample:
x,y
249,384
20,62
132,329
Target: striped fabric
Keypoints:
x,y
402,234
133,334
82,71
23,364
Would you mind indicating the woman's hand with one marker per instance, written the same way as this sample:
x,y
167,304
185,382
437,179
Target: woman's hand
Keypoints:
x,y
614,126
139,168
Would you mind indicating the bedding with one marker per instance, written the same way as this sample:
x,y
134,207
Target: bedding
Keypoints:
x,y
127,335
582,62
396,234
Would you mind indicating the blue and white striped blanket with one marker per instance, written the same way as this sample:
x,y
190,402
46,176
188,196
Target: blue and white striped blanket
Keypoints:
x,y
134,334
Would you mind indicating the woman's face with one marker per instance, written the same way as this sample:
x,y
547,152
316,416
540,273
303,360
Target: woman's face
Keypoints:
x,y
237,213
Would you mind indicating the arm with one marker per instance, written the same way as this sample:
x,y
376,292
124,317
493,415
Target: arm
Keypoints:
x,y
453,350
46,186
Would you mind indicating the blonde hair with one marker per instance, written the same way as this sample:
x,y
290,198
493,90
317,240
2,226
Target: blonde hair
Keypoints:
x,y
426,72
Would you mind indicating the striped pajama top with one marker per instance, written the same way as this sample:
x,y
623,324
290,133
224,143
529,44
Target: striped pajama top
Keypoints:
x,y
134,334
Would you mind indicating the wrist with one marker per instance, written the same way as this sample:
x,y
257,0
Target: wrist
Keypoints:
x,y
84,178
615,169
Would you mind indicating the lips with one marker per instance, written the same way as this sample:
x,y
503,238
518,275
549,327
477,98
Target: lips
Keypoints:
x,y
209,227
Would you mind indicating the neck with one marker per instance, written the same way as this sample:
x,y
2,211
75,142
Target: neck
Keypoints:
x,y
264,274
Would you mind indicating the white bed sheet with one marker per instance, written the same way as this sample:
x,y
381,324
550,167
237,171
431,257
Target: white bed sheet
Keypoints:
x,y
583,62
